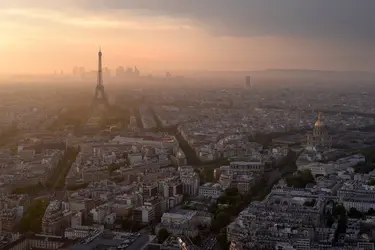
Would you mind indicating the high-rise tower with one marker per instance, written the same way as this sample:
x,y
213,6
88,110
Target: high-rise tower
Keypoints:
x,y
100,96
247,82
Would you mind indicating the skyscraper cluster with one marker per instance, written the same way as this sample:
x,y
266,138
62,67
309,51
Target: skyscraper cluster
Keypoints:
x,y
120,72
129,72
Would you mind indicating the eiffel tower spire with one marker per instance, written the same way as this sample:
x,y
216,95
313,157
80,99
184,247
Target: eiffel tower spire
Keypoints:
x,y
100,96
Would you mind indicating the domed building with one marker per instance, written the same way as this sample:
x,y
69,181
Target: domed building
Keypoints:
x,y
319,137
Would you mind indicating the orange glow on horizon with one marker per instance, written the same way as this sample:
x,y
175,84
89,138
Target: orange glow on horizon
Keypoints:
x,y
38,41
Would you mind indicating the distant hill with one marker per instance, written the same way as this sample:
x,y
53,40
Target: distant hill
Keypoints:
x,y
292,74
305,73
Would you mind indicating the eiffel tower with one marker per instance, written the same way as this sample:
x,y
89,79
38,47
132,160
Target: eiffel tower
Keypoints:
x,y
100,96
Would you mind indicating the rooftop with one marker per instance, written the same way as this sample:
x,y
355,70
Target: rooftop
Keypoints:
x,y
110,240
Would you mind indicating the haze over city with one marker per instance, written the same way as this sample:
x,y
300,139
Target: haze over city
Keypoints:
x,y
40,36
187,124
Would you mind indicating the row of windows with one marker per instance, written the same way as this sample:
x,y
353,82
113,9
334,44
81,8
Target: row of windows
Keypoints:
x,y
246,166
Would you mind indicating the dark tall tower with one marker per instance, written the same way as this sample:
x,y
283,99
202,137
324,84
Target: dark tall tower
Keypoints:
x,y
100,96
247,82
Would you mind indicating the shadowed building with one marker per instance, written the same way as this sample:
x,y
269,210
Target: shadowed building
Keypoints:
x,y
56,218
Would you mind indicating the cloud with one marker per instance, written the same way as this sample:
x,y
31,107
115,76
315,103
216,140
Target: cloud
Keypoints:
x,y
351,20
86,19
346,20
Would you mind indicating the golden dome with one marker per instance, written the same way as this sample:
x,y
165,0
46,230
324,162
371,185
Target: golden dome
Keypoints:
x,y
319,122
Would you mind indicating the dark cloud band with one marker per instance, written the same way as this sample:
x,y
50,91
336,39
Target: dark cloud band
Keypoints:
x,y
340,19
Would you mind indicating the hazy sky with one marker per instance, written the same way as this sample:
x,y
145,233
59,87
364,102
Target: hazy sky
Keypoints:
x,y
40,36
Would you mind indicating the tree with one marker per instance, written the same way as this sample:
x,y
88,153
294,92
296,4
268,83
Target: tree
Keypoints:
x,y
221,220
212,208
222,199
354,213
239,207
77,186
371,211
128,224
197,240
223,217
57,178
330,220
307,175
371,182
32,221
310,203
222,240
208,174
300,179
30,189
163,234
338,210
233,191
113,167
